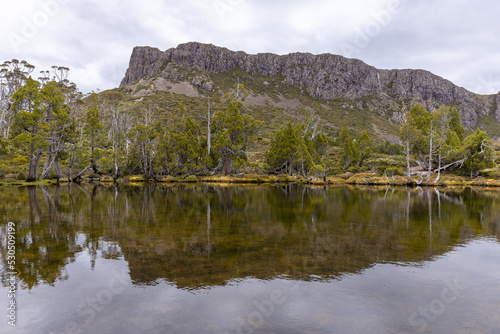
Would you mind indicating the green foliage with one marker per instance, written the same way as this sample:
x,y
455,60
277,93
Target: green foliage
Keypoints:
x,y
350,152
363,144
388,148
455,123
393,165
181,145
144,138
112,129
292,150
93,126
284,148
478,152
232,131
449,133
420,120
191,178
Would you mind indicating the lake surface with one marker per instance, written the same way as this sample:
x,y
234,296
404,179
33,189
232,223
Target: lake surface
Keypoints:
x,y
251,259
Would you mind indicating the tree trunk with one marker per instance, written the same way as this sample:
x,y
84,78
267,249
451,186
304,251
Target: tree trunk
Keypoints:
x,y
46,166
33,166
91,165
2,119
151,170
226,167
7,131
49,161
115,174
209,131
439,167
82,172
430,156
144,161
408,168
57,167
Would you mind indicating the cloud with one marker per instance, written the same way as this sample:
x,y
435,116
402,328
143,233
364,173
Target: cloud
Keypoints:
x,y
454,39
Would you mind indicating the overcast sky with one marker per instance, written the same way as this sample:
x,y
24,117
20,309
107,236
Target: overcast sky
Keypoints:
x,y
456,39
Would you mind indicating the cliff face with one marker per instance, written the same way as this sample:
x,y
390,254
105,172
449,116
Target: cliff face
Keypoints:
x,y
324,76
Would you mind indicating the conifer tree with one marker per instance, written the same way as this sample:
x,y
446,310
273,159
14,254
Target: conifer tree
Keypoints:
x,y
350,153
232,131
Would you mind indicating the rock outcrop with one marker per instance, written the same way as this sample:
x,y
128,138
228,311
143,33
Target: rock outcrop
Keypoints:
x,y
324,76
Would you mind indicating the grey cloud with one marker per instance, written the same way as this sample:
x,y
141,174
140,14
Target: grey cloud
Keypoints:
x,y
454,39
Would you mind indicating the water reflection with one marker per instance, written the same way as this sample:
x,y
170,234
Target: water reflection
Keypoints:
x,y
201,235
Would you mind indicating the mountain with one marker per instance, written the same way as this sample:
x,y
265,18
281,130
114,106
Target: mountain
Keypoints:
x,y
339,85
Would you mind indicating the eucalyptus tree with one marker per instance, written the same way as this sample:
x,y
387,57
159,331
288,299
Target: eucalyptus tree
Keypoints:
x,y
119,124
408,134
478,153
144,137
421,124
13,75
449,135
60,126
42,121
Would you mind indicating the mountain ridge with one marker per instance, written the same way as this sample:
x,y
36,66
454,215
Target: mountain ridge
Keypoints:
x,y
325,76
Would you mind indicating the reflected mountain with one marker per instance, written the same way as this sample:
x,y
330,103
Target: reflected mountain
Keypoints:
x,y
203,235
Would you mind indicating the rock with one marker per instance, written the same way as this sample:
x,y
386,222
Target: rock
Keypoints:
x,y
323,76
144,61
497,111
203,82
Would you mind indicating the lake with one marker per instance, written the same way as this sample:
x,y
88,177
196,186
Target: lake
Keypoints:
x,y
250,259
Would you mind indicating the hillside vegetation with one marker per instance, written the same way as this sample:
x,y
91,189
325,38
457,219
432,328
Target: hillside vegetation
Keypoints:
x,y
159,128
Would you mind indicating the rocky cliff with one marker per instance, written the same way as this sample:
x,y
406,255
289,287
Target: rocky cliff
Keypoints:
x,y
324,76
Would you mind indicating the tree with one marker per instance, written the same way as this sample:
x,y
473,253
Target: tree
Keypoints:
x,y
408,134
232,131
93,129
93,126
144,137
182,143
350,153
13,75
421,123
29,128
209,129
478,152
42,120
433,135
363,145
448,130
119,124
284,149
60,126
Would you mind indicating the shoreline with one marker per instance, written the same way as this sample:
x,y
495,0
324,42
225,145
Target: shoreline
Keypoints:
x,y
361,179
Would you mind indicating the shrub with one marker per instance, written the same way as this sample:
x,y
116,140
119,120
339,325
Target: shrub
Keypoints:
x,y
191,178
21,160
317,171
353,170
168,179
106,178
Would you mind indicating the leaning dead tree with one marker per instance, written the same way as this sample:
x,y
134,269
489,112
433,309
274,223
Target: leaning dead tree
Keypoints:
x,y
92,166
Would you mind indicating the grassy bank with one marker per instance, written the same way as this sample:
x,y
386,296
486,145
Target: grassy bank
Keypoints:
x,y
343,179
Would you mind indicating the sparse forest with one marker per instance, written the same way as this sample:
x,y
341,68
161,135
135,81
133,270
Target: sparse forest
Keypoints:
x,y
49,130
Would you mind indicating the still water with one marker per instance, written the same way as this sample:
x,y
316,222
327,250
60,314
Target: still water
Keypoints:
x,y
251,259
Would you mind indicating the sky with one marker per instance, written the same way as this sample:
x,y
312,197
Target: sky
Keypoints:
x,y
455,39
